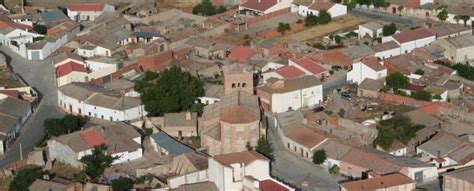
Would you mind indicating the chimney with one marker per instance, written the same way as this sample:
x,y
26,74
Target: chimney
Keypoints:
x,y
188,115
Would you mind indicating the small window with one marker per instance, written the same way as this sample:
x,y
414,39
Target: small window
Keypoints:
x,y
233,85
244,85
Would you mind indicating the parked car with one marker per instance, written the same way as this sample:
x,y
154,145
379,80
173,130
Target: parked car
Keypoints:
x,y
346,96
318,109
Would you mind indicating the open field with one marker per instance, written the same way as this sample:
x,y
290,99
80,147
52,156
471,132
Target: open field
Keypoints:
x,y
339,24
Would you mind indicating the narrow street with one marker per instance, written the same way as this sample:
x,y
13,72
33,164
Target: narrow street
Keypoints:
x,y
297,172
40,75
389,18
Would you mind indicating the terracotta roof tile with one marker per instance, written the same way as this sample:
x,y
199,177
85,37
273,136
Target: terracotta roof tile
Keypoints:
x,y
309,65
289,72
319,6
270,185
245,157
238,115
304,135
374,64
412,35
259,5
382,182
241,52
92,138
86,6
69,67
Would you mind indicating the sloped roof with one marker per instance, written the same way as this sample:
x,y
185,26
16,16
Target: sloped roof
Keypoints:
x,y
86,6
308,65
412,35
241,52
303,135
292,85
51,16
68,68
245,157
174,147
289,72
382,182
442,143
259,5
374,64
320,5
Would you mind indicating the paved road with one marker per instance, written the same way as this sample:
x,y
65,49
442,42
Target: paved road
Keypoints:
x,y
336,81
389,18
295,171
40,75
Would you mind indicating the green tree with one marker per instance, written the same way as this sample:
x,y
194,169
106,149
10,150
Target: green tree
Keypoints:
x,y
282,27
341,112
324,17
380,3
390,29
96,162
397,81
319,157
60,126
221,9
24,179
437,97
385,137
40,29
457,18
443,15
264,147
464,71
465,18
311,20
363,2
174,91
122,184
205,8
419,72
422,95
334,169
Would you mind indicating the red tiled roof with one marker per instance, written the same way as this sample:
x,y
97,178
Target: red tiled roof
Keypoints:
x,y
382,182
415,87
321,5
69,67
86,6
270,185
92,138
241,52
289,72
334,58
412,4
309,65
4,24
412,35
259,5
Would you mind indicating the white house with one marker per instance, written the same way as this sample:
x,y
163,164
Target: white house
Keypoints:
x,y
121,139
87,11
248,170
94,101
283,95
100,67
305,8
416,38
369,68
261,7
371,30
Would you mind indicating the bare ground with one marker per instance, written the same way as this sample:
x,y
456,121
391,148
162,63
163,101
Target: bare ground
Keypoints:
x,y
338,24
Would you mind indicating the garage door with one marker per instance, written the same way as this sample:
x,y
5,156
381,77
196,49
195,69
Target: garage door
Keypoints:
x,y
35,55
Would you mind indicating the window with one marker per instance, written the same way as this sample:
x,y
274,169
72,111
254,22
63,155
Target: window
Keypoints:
x,y
162,47
238,85
233,85
288,145
89,113
111,119
244,85
102,116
